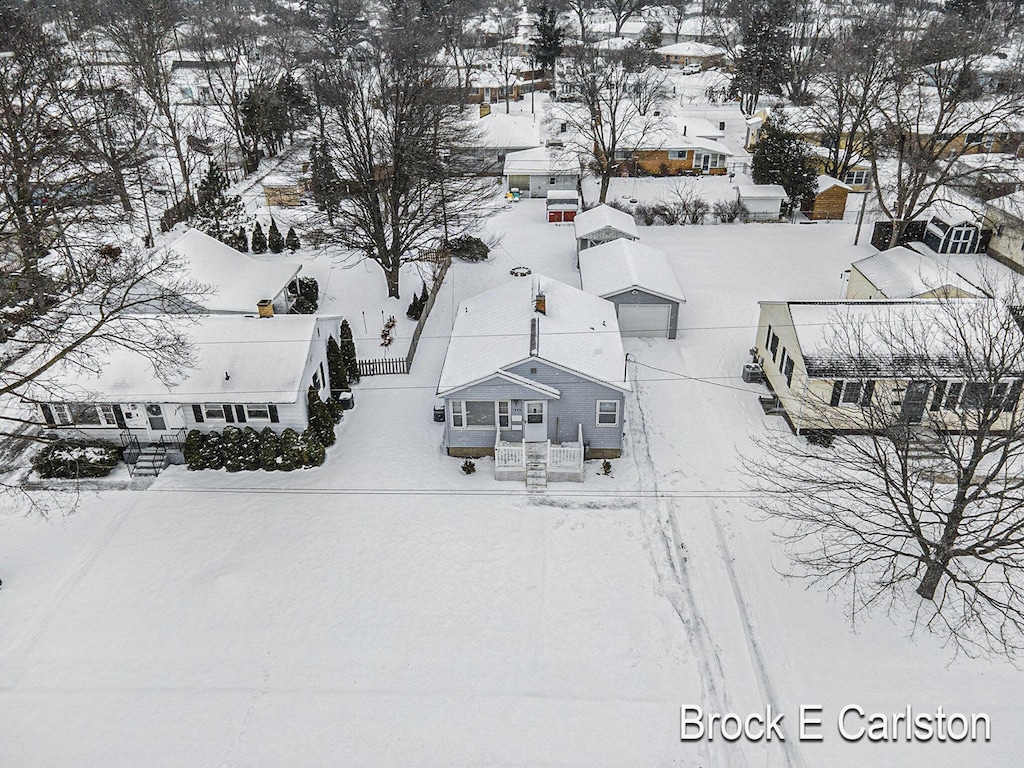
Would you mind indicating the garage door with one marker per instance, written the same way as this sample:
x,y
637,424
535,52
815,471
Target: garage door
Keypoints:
x,y
645,320
520,182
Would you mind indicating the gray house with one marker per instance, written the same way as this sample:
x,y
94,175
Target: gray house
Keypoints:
x,y
534,375
641,284
602,224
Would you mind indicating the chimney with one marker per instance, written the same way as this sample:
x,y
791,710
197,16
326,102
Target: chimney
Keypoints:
x,y
540,303
265,307
684,129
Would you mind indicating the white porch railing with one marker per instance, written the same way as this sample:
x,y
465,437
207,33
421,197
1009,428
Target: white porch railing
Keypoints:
x,y
508,454
567,455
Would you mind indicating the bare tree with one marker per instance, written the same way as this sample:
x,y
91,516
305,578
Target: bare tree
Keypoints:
x,y
605,124
932,112
623,10
394,124
908,494
809,32
502,54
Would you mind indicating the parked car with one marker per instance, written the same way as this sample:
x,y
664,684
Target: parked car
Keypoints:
x,y
691,69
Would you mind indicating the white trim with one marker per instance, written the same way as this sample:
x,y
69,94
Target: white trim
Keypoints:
x,y
597,413
479,427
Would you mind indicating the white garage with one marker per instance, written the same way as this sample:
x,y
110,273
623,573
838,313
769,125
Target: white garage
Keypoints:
x,y
641,284
645,320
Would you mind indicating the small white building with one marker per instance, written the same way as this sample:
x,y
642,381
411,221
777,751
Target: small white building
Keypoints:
x,y
763,201
601,224
535,172
562,205
639,281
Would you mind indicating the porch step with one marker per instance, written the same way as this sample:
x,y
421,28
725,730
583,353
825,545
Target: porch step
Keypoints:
x,y
151,461
536,477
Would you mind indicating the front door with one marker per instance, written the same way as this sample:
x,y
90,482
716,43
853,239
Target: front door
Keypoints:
x,y
155,414
535,429
914,401
705,162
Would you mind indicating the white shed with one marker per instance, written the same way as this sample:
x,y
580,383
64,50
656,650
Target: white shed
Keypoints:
x,y
763,201
601,224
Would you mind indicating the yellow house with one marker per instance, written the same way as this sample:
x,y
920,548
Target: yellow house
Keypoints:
x,y
840,366
1006,216
902,273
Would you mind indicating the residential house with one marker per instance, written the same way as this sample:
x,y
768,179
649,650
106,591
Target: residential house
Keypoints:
x,y
535,172
902,273
601,224
827,361
1006,215
829,201
229,382
535,376
678,145
494,136
639,281
687,52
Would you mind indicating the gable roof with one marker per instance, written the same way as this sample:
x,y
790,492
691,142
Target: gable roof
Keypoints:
x,y
263,357
1012,204
492,332
763,191
827,182
622,265
691,50
902,273
238,281
588,222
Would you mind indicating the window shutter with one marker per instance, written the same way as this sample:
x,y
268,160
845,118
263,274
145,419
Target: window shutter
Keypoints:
x,y
240,412
768,337
119,417
837,392
1013,396
940,393
273,413
229,414
197,413
866,393
47,413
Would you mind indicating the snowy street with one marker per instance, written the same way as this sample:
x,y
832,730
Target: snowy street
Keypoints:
x,y
387,610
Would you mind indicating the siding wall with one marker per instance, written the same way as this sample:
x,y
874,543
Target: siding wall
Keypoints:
x,y
642,297
859,287
1007,243
577,405
829,204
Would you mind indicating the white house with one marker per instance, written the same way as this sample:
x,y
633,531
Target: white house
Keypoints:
x,y
639,281
535,172
248,371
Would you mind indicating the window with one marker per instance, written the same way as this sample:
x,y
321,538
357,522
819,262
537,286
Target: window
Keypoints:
x,y
61,413
856,178
106,414
851,393
768,337
607,413
535,413
960,239
976,395
623,154
773,347
480,414
316,380
789,372
782,361
213,412
678,154
261,411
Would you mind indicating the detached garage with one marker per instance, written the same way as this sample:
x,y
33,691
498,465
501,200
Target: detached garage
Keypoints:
x,y
641,284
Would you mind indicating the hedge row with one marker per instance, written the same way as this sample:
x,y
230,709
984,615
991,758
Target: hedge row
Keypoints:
x,y
76,459
246,450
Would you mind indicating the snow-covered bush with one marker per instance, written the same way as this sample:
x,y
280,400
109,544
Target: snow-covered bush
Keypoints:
x,y
270,447
729,211
275,240
193,450
468,248
76,458
249,450
469,466
230,448
348,352
211,451
290,453
313,451
259,240
291,240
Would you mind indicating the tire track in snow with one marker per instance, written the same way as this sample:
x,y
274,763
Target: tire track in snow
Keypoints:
x,y
674,576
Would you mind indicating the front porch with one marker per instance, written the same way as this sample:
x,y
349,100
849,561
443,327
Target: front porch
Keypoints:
x,y
540,461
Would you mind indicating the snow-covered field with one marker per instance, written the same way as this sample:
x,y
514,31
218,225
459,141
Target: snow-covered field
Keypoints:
x,y
387,610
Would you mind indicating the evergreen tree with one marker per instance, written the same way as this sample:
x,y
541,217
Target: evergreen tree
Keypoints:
x,y
762,64
321,419
216,213
324,182
259,240
290,455
231,449
313,451
348,352
424,296
275,242
546,45
269,448
241,241
249,450
291,240
193,449
210,453
294,104
415,308
336,366
782,157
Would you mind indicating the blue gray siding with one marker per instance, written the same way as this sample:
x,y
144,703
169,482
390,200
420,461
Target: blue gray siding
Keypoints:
x,y
642,297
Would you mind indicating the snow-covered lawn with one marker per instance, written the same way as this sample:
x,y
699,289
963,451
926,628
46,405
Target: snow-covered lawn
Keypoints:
x,y
387,610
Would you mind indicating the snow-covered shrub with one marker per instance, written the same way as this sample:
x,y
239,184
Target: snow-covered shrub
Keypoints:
x,y
211,451
606,467
231,448
469,466
729,211
76,458
468,248
348,352
290,454
336,366
270,447
645,213
321,417
258,240
249,450
291,240
275,240
313,451
193,449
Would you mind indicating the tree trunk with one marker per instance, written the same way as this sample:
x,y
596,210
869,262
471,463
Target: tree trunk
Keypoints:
x,y
932,576
391,275
606,181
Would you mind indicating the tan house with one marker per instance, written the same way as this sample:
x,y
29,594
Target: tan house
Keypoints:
x,y
828,361
1006,216
902,273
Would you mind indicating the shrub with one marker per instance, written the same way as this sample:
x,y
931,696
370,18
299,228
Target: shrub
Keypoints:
x,y
290,454
348,352
469,466
606,467
308,291
76,459
212,457
275,240
697,211
259,240
270,446
336,366
231,449
468,248
249,450
313,451
820,439
729,211
241,241
665,214
193,449
291,240
303,306
321,417
645,213
415,309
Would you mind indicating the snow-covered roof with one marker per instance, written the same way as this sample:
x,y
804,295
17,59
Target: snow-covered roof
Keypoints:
x,y
691,50
263,359
492,332
237,281
540,161
622,265
278,180
763,191
507,130
827,182
901,273
588,222
1012,204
